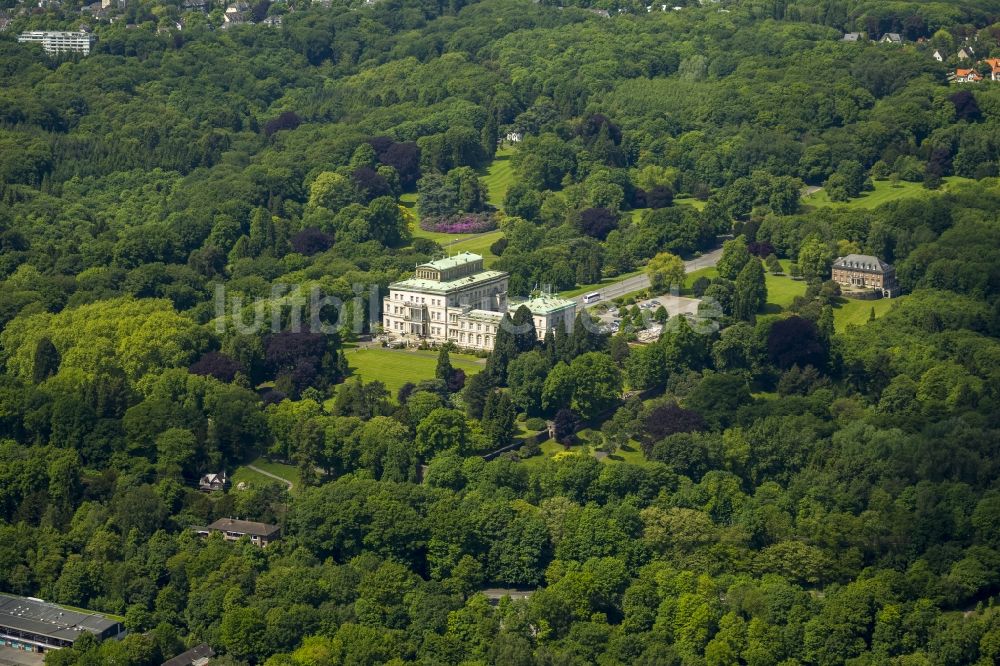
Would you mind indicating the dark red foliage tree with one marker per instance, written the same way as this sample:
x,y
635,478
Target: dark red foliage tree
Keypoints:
x,y
456,380
311,241
762,249
598,222
564,424
272,397
405,159
216,364
660,196
795,341
669,419
284,350
370,183
380,144
966,107
288,120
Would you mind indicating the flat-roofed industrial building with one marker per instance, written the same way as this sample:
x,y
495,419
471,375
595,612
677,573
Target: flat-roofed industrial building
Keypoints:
x,y
33,625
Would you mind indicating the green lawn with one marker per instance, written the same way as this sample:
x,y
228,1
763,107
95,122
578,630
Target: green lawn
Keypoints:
x,y
884,191
478,244
252,477
454,243
409,199
637,213
499,176
850,311
782,290
249,477
395,367
690,201
708,272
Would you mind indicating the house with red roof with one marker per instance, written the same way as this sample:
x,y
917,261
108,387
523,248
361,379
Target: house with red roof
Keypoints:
x,y
966,76
994,65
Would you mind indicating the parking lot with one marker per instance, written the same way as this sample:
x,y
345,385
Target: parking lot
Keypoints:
x,y
675,305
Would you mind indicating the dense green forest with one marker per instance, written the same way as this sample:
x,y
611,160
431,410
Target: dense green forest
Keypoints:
x,y
773,488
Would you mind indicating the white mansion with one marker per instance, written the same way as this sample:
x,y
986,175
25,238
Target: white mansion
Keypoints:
x,y
456,300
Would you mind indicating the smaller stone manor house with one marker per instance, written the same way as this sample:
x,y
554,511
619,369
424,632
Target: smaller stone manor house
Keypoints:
x,y
863,271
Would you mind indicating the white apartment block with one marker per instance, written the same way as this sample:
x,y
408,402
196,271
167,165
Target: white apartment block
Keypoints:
x,y
456,300
59,42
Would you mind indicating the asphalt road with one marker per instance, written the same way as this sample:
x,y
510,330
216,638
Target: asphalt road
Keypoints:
x,y
641,281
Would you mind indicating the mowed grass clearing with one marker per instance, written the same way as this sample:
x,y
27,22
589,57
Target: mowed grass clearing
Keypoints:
x,y
251,478
854,312
453,243
395,367
781,289
255,479
499,176
884,192
690,201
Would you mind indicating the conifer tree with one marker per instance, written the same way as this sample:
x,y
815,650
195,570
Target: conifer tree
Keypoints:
x,y
477,389
825,323
504,351
241,249
263,236
584,338
498,419
527,339
46,361
443,370
549,347
751,291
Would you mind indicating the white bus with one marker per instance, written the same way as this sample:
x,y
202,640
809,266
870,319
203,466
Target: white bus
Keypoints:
x,y
592,297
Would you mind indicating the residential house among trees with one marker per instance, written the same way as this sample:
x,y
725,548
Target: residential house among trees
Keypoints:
x,y
199,655
891,38
994,65
212,482
232,529
862,271
965,53
966,76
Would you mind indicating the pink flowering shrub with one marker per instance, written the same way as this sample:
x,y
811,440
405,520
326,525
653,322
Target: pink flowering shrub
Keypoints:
x,y
463,223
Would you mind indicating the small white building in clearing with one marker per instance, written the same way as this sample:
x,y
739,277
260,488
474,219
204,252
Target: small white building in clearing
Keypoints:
x,y
457,300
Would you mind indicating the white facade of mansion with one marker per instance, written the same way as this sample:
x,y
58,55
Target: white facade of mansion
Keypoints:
x,y
457,300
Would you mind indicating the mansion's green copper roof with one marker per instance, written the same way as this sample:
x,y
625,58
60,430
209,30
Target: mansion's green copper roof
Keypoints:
x,y
488,316
543,305
452,262
434,286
